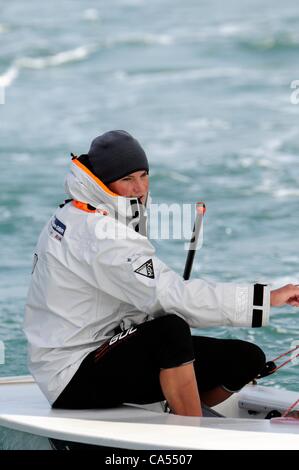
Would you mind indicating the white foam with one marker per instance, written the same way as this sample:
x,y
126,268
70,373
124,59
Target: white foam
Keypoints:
x,y
179,177
9,76
267,163
286,192
64,57
91,14
231,29
146,39
216,31
267,186
246,162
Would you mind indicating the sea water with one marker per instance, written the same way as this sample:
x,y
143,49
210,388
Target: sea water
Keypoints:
x,y
207,87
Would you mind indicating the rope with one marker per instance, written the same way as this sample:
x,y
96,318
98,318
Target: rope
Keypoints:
x,y
284,363
290,408
285,414
284,354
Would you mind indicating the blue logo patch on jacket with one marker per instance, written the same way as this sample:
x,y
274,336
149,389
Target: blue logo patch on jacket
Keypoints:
x,y
58,226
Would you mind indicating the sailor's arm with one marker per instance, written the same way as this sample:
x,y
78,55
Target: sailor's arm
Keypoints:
x,y
129,270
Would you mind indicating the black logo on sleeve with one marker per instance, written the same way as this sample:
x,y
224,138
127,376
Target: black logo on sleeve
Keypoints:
x,y
146,269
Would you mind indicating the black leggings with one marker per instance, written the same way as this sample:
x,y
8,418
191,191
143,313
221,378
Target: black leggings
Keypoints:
x,y
126,368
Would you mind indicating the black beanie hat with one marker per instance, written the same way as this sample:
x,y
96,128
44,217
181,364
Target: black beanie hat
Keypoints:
x,y
113,155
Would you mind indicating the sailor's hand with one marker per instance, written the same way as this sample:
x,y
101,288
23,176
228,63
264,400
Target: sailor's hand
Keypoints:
x,y
288,294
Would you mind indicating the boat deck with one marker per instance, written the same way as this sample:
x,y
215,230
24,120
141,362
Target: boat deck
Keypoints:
x,y
24,408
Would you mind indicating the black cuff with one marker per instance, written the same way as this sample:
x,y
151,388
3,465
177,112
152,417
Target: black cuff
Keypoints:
x,y
258,301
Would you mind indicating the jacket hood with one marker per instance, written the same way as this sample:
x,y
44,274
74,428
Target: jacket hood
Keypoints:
x,y
82,185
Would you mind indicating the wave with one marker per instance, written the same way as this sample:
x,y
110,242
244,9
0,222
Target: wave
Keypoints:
x,y
286,192
140,40
176,36
244,35
269,186
254,36
271,42
9,76
64,57
180,177
73,55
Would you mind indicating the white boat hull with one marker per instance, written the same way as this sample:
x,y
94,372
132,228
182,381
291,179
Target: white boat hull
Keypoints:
x,y
26,418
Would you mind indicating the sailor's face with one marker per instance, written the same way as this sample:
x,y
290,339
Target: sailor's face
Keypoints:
x,y
134,185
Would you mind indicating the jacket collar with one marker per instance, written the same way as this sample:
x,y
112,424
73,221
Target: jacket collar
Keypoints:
x,y
82,185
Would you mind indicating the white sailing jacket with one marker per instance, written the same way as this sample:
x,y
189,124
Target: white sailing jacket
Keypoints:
x,y
95,270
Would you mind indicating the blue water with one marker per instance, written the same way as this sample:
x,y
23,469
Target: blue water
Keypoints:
x,y
205,87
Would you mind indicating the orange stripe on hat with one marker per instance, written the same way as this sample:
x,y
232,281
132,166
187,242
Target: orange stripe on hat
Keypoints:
x,y
97,180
